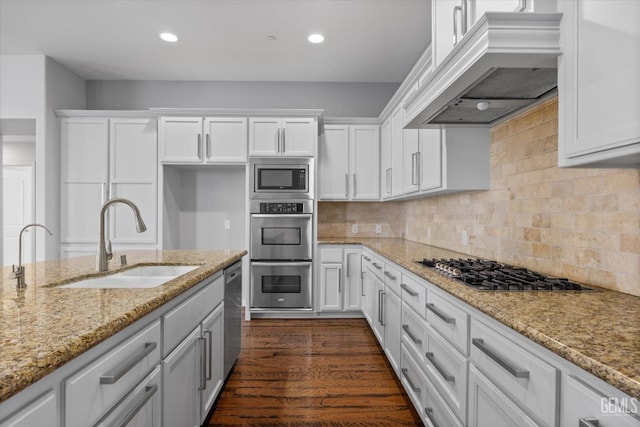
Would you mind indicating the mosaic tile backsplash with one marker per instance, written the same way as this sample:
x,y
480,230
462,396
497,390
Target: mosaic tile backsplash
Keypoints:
x,y
583,224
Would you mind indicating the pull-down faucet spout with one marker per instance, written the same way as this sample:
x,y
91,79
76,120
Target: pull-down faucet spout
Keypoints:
x,y
104,248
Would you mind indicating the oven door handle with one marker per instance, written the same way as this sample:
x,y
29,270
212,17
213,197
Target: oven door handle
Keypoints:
x,y
281,215
281,264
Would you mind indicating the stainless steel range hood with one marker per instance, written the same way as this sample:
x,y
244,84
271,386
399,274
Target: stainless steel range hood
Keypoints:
x,y
505,62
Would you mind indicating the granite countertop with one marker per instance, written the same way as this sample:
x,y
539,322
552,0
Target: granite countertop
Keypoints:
x,y
597,331
44,326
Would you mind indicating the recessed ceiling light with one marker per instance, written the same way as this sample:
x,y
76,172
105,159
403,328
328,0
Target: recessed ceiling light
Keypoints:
x,y
169,37
316,38
272,38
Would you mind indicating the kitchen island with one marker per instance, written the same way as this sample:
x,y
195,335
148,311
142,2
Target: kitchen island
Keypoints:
x,y
44,326
597,330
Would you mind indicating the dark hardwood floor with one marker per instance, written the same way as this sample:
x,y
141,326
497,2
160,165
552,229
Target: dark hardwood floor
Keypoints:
x,y
312,373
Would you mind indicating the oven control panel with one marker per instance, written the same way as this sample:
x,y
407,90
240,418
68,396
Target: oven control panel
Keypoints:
x,y
281,208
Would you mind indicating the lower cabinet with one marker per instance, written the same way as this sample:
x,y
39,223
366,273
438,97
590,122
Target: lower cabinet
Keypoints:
x,y
41,412
340,288
392,319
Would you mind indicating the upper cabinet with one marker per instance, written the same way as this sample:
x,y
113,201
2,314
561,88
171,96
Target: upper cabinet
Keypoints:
x,y
195,140
348,163
599,103
274,137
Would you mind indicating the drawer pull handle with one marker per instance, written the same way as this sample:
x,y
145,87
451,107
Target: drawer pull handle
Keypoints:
x,y
409,290
588,422
202,345
410,334
499,359
441,315
390,276
366,258
429,413
376,265
149,391
209,351
111,377
446,375
405,372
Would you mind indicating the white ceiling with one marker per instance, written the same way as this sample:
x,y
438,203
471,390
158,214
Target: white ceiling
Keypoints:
x,y
365,40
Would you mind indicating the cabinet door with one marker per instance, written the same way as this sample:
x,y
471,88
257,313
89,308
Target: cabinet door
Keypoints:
x,y
392,314
299,137
443,36
363,156
385,162
180,139
488,407
599,107
42,412
331,287
368,295
181,375
333,164
225,139
133,174
411,157
396,153
352,280
84,177
213,334
264,137
377,309
430,159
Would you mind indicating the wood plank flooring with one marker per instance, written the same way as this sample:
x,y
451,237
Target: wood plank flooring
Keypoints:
x,y
315,372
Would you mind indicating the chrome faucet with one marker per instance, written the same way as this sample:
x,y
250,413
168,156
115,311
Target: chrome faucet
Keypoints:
x,y
104,247
18,272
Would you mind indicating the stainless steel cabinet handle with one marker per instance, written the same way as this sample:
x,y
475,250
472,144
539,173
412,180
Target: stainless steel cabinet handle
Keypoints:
x,y
405,372
200,145
376,265
114,375
413,169
366,258
429,413
148,393
463,17
390,276
418,167
440,314
346,185
499,359
455,23
348,265
388,179
443,372
203,363
208,145
588,422
410,334
408,289
355,186
339,280
278,141
209,338
284,147
380,307
362,274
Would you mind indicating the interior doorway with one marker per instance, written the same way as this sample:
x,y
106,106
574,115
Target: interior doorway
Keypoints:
x,y
18,210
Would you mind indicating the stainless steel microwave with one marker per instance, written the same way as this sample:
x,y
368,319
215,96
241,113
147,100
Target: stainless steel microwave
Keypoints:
x,y
282,178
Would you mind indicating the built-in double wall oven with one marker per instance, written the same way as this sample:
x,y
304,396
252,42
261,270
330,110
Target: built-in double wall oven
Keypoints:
x,y
281,236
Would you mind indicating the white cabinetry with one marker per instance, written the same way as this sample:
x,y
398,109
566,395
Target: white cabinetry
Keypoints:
x,y
340,280
348,162
293,137
104,158
41,412
385,159
187,140
599,108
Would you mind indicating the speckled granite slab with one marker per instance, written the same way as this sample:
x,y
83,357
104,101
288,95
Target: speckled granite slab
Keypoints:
x,y
43,326
597,331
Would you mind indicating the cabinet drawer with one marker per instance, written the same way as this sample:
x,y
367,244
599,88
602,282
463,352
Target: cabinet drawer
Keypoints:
x,y
377,267
451,321
182,319
331,255
414,294
92,391
392,277
521,375
447,370
414,333
580,401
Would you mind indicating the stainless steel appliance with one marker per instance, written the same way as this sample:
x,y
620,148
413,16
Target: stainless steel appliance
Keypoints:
x,y
485,275
232,315
281,178
281,254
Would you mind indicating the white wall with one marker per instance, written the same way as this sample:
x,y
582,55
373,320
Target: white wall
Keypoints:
x,y
337,99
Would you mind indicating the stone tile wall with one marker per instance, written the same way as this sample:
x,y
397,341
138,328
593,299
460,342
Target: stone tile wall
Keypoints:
x,y
583,224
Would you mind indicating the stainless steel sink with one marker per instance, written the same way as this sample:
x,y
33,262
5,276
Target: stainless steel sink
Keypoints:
x,y
144,276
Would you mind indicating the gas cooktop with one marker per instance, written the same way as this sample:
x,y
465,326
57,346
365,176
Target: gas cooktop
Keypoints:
x,y
485,275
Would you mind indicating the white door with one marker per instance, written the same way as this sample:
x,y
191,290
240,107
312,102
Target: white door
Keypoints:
x,y
213,334
334,163
352,280
365,164
180,139
17,211
411,157
331,287
264,137
430,159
